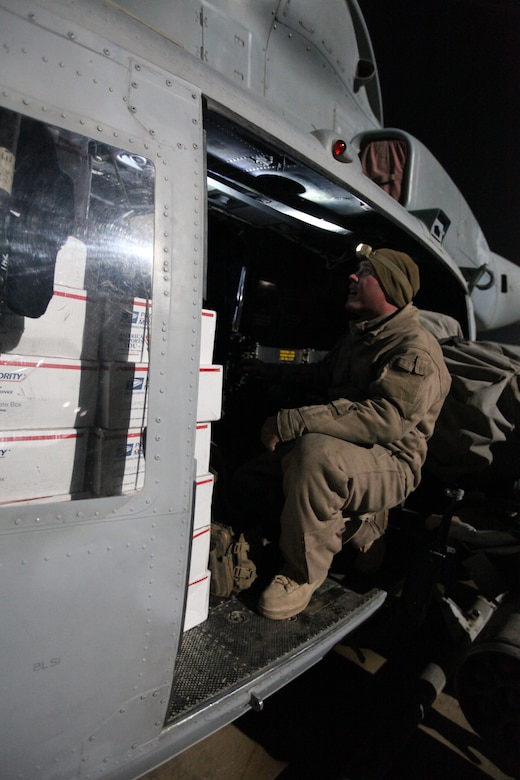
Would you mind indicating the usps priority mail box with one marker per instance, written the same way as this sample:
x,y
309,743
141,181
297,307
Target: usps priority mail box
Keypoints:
x,y
38,392
209,401
41,463
207,336
123,395
72,268
116,461
69,328
203,447
203,498
199,559
197,603
126,329
71,265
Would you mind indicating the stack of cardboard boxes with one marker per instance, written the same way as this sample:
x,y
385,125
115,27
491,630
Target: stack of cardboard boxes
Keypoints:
x,y
208,410
48,388
83,363
117,447
73,404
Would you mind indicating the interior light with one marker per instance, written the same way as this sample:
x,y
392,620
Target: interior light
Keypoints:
x,y
310,219
282,208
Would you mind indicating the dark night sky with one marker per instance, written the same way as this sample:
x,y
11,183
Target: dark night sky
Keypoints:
x,y
450,75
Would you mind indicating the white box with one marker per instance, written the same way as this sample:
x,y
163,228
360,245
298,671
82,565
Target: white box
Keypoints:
x,y
203,496
209,401
117,461
40,392
197,602
123,395
202,447
207,336
125,330
69,328
41,463
71,264
199,559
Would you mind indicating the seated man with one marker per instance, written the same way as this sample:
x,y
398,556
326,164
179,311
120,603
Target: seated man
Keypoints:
x,y
361,450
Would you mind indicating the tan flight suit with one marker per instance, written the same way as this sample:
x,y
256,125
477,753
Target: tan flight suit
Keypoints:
x,y
361,451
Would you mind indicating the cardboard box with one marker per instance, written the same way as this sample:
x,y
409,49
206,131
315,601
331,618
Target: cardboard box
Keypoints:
x,y
207,336
123,395
71,265
41,463
125,330
209,401
197,602
199,559
40,392
117,462
203,497
202,447
69,328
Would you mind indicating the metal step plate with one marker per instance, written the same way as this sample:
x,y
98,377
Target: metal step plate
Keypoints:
x,y
237,645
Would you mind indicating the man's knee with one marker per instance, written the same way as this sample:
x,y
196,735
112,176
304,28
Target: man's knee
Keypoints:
x,y
312,451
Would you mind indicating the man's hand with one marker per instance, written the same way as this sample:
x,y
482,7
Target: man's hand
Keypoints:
x,y
269,435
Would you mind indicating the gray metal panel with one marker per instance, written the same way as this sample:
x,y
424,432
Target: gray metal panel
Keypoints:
x,y
227,45
236,645
177,20
311,63
285,650
90,636
302,62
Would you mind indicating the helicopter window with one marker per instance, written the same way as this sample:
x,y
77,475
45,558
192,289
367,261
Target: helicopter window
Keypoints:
x,y
76,229
384,161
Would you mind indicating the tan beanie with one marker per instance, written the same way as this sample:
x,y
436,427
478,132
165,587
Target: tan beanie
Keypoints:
x,y
396,272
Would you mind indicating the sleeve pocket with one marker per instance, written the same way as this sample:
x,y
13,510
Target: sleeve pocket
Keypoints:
x,y
411,365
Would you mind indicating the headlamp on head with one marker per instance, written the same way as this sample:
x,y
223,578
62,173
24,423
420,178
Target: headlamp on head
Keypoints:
x,y
396,272
364,250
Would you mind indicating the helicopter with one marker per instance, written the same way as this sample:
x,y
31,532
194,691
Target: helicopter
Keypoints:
x,y
182,184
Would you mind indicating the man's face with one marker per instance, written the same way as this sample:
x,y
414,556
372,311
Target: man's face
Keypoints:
x,y
366,300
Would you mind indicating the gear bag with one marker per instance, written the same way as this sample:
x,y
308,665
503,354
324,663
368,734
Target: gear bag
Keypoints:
x,y
478,427
231,568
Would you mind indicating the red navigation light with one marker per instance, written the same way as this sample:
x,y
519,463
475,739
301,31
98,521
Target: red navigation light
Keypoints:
x,y
339,147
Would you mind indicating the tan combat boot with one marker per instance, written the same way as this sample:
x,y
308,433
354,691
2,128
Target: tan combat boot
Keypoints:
x,y
285,597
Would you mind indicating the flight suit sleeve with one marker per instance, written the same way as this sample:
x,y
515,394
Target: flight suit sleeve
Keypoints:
x,y
404,391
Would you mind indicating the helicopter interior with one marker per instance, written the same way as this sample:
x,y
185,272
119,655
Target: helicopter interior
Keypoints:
x,y
281,245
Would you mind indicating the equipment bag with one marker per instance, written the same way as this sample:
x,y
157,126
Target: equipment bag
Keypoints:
x,y
231,568
478,428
